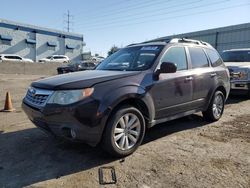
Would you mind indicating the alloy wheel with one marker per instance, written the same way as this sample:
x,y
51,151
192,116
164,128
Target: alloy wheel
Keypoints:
x,y
218,105
127,131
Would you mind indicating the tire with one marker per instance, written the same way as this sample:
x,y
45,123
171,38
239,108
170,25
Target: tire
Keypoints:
x,y
128,142
215,108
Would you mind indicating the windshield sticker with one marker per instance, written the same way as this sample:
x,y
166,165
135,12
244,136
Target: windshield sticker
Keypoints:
x,y
149,48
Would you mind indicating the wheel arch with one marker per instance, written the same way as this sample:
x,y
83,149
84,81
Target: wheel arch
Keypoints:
x,y
218,88
135,102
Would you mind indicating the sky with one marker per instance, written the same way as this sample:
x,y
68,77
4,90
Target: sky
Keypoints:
x,y
105,23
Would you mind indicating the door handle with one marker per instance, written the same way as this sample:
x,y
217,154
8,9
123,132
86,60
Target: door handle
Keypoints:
x,y
213,74
189,78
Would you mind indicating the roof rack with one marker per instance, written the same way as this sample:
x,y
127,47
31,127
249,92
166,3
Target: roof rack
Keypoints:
x,y
176,40
185,40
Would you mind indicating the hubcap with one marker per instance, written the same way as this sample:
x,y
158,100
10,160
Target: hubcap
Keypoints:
x,y
127,131
218,106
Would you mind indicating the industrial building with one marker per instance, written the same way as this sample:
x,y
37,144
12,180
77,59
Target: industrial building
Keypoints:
x,y
223,38
37,42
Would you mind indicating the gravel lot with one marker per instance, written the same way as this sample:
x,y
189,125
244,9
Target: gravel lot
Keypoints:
x,y
188,152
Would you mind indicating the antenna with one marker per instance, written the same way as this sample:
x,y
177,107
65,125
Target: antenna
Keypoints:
x,y
68,21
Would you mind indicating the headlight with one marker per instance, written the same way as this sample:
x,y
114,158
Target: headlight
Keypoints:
x,y
70,96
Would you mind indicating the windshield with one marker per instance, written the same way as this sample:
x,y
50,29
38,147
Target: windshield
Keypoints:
x,y
48,57
236,56
132,58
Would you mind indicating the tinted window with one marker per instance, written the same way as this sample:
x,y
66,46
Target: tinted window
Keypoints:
x,y
176,55
58,57
198,58
214,57
13,57
132,58
236,56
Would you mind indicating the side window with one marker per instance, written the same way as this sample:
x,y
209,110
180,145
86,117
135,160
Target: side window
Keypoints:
x,y
214,57
17,57
176,55
198,57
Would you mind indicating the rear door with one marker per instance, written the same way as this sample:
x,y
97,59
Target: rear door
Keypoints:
x,y
203,76
173,91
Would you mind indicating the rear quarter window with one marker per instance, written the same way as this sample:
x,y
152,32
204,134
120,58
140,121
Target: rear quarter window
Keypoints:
x,y
214,58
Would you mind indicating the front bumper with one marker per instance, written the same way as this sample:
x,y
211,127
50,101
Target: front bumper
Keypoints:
x,y
240,87
83,118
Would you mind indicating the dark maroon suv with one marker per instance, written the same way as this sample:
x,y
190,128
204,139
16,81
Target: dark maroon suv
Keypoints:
x,y
136,88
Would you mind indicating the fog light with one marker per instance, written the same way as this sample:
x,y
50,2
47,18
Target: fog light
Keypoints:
x,y
73,133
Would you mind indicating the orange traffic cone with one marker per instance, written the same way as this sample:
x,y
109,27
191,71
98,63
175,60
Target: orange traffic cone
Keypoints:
x,y
8,104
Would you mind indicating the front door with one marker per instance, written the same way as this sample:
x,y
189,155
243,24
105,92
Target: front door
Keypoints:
x,y
172,92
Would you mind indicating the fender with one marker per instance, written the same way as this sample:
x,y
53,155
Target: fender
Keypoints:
x,y
210,95
109,102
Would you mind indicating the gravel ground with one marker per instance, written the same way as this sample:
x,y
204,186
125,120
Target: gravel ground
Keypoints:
x,y
187,152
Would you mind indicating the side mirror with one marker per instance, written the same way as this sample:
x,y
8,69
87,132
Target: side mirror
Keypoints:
x,y
166,67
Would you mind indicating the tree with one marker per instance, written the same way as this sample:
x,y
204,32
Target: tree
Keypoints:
x,y
112,50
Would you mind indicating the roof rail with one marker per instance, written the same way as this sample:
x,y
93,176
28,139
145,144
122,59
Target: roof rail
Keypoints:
x,y
185,40
176,40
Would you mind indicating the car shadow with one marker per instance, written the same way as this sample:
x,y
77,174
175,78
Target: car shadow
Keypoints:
x,y
234,99
29,156
170,127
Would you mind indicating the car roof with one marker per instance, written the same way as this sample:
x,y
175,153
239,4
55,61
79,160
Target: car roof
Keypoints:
x,y
239,49
59,55
147,43
9,55
165,42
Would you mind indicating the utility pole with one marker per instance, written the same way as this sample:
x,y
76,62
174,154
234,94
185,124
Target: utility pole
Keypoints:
x,y
68,21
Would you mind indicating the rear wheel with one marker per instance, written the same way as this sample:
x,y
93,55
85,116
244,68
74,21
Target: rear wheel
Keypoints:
x,y
215,108
124,132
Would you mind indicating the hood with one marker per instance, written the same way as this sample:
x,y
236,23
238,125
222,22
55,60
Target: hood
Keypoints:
x,y
238,64
27,59
79,80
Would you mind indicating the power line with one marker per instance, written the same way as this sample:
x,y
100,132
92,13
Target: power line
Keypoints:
x,y
125,9
174,17
144,12
128,18
109,5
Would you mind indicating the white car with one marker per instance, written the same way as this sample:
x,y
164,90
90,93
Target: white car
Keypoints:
x,y
55,59
97,58
238,63
14,58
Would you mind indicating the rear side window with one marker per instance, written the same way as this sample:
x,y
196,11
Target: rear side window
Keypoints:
x,y
59,57
198,57
214,57
13,57
176,55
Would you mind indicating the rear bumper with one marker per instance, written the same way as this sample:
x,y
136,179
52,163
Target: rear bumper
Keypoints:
x,y
59,121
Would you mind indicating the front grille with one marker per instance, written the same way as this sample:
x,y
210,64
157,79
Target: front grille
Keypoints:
x,y
37,97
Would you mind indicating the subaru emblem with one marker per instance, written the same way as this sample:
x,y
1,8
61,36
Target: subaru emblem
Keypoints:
x,y
33,91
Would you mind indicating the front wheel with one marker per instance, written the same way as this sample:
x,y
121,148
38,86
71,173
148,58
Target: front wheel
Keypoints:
x,y
215,108
124,132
